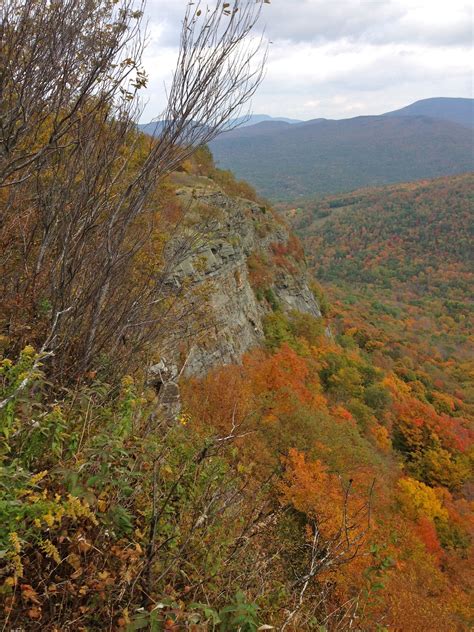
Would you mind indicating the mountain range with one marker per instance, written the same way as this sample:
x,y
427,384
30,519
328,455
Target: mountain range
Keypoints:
x,y
153,128
254,119
427,139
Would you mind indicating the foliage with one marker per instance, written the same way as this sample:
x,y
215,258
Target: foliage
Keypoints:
x,y
202,163
323,416
395,264
98,472
411,236
84,272
317,485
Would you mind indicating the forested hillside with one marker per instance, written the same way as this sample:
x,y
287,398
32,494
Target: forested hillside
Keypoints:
x,y
396,266
317,482
417,237
398,263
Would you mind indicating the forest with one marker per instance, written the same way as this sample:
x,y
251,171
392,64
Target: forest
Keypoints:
x,y
395,264
322,481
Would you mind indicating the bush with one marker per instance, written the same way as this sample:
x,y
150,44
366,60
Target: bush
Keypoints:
x,y
100,471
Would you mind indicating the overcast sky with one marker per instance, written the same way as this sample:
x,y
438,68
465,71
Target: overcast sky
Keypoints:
x,y
339,58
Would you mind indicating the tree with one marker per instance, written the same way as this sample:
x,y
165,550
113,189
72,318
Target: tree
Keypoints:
x,y
59,62
336,527
81,197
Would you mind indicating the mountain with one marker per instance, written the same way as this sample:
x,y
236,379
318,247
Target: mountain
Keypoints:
x,y
327,156
260,118
266,458
264,128
194,433
447,109
397,263
153,128
384,393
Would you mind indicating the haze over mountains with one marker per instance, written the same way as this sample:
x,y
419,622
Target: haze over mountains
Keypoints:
x,y
153,128
427,139
254,119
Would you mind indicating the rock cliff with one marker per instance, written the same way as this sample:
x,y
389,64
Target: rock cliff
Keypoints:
x,y
249,262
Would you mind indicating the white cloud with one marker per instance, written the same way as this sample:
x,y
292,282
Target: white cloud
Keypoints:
x,y
384,21
339,58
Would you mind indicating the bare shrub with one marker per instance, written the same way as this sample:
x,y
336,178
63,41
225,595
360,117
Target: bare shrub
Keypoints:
x,y
80,197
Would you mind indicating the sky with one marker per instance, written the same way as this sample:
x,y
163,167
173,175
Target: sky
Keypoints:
x,y
337,58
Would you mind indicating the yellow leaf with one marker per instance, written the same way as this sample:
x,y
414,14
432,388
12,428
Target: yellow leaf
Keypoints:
x,y
74,560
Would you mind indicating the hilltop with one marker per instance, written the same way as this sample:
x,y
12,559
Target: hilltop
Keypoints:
x,y
447,109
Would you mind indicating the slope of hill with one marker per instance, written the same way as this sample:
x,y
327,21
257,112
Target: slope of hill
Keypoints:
x,y
323,156
447,109
416,236
191,438
153,495
397,264
390,393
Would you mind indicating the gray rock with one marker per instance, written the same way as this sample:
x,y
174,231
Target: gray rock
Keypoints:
x,y
163,377
240,228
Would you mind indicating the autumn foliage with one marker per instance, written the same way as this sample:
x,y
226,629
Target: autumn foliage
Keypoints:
x,y
321,483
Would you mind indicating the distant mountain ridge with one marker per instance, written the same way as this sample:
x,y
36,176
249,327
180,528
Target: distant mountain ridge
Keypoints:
x,y
285,159
456,110
323,157
428,139
153,128
447,109
254,119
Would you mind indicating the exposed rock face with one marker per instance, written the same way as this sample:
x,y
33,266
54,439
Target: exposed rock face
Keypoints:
x,y
241,231
164,379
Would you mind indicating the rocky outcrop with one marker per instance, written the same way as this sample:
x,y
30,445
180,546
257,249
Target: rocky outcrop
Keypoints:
x,y
235,233
164,378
